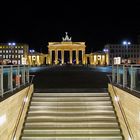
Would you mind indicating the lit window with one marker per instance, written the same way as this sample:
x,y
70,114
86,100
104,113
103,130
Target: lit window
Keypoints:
x,y
15,51
18,56
3,56
18,61
6,51
6,56
9,51
20,51
0,51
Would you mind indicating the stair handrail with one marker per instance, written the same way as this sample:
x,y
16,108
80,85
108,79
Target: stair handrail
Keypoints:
x,y
21,110
131,137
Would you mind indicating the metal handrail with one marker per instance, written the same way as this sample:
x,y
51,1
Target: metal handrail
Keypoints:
x,y
21,110
122,110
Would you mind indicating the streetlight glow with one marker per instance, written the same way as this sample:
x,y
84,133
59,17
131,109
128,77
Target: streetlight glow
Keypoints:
x,y
12,44
126,43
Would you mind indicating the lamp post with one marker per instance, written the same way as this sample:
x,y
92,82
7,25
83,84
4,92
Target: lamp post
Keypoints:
x,y
126,44
11,47
32,59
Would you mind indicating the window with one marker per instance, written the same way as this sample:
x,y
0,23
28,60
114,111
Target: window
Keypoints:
x,y
6,51
20,51
18,61
111,51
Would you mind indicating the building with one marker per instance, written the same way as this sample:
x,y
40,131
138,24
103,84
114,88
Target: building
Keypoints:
x,y
66,51
73,53
128,53
13,53
36,58
97,58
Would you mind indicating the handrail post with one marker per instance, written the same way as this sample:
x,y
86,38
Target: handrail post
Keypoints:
x,y
18,74
133,78
10,78
27,74
1,81
113,74
124,76
23,75
118,75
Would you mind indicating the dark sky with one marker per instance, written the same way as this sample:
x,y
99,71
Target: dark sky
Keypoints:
x,y
97,23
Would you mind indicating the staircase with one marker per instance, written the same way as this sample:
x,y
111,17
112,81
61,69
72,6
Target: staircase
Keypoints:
x,y
71,116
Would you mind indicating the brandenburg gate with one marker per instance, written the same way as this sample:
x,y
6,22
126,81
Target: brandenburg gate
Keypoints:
x,y
66,45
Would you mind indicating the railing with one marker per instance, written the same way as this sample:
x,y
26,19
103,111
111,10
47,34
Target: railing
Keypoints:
x,y
21,110
127,76
118,78
13,77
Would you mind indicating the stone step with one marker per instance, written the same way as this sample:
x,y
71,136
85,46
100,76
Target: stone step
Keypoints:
x,y
72,124
72,131
69,99
74,108
72,137
70,94
97,103
69,119
69,114
81,107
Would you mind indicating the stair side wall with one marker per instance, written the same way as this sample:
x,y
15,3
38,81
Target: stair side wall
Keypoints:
x,y
9,111
131,106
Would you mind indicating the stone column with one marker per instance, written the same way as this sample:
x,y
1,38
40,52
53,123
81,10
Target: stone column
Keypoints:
x,y
77,56
50,54
56,57
62,56
70,56
83,56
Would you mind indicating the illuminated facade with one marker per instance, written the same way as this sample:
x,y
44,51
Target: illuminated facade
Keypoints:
x,y
73,48
76,53
97,58
13,53
66,52
37,59
127,53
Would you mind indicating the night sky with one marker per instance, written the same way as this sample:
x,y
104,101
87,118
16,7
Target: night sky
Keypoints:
x,y
39,22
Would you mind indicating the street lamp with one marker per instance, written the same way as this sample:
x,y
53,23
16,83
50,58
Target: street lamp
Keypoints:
x,y
11,47
32,56
126,43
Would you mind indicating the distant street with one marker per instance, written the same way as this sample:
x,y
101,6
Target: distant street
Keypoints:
x,y
71,77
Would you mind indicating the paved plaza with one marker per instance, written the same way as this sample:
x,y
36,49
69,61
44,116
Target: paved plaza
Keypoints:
x,y
70,77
